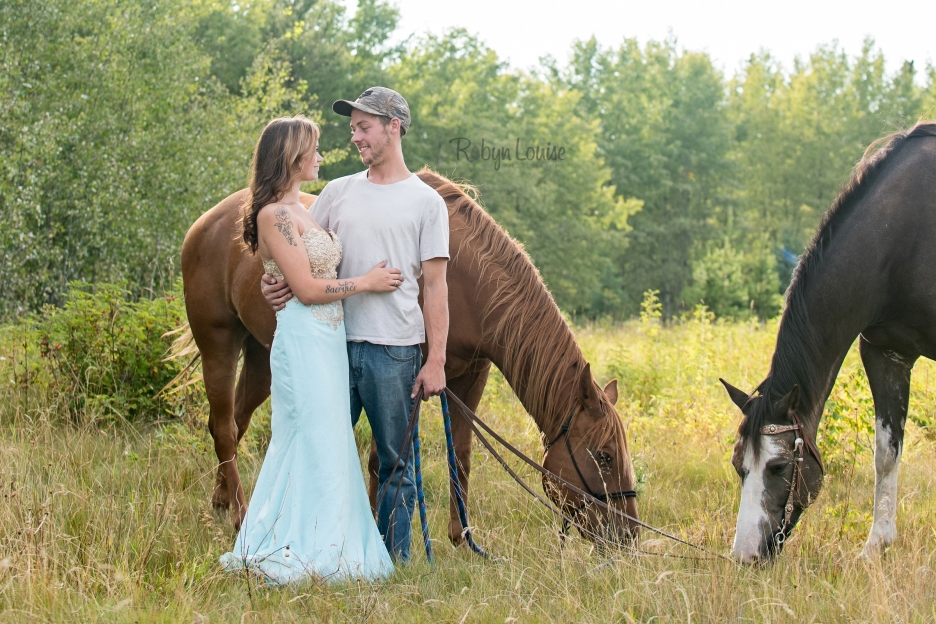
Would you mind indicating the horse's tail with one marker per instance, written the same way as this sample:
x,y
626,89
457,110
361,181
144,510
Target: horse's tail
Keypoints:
x,y
183,348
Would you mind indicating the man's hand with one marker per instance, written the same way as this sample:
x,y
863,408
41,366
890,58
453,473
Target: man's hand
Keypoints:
x,y
431,380
275,292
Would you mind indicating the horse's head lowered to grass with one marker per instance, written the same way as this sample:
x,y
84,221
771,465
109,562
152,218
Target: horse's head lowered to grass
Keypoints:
x,y
780,469
590,451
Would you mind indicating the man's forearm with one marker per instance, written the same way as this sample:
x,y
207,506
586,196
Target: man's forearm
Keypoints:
x,y
437,321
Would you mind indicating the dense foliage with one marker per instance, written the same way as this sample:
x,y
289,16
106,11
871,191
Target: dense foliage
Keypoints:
x,y
99,357
120,122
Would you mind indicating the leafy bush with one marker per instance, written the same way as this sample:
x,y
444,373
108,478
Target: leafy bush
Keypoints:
x,y
735,284
642,377
846,432
661,357
100,356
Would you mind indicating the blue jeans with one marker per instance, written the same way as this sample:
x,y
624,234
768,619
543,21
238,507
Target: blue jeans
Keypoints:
x,y
382,378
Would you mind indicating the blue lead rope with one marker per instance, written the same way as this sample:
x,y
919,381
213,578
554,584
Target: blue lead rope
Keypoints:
x,y
456,484
453,475
420,495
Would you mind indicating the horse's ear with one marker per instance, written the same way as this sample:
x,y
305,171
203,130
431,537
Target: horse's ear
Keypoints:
x,y
790,402
611,391
588,388
738,397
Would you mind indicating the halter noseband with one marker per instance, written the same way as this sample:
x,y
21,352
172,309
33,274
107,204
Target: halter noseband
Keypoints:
x,y
801,441
602,496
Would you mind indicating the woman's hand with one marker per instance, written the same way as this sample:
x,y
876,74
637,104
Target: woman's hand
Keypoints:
x,y
382,279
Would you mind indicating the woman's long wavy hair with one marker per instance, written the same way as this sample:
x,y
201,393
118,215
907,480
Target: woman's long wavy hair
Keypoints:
x,y
277,162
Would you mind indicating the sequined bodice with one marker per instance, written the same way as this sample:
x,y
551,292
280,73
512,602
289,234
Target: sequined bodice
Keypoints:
x,y
324,249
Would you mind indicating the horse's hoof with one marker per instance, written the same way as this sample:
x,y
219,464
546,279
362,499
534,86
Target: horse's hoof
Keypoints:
x,y
872,551
221,511
237,519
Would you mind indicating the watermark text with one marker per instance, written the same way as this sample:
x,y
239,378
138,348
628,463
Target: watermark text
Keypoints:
x,y
521,151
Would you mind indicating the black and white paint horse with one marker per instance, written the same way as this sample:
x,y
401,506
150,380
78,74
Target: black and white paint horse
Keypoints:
x,y
870,273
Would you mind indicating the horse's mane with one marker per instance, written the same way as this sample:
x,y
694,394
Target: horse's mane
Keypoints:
x,y
537,343
797,339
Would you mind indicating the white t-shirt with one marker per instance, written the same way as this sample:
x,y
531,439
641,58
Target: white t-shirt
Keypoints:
x,y
404,223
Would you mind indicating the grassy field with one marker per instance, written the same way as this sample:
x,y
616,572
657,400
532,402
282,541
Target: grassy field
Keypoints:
x,y
103,520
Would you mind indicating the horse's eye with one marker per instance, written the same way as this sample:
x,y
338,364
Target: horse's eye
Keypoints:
x,y
604,459
778,469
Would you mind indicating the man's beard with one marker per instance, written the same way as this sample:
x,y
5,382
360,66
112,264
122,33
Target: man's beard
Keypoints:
x,y
377,155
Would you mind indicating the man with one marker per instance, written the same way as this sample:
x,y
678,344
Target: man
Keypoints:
x,y
387,213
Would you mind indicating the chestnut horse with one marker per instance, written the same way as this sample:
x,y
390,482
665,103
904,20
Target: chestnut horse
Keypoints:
x,y
501,313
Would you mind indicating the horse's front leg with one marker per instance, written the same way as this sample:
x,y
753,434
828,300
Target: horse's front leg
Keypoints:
x,y
468,387
889,378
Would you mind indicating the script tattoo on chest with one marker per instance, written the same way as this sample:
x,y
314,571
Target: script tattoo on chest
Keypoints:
x,y
342,287
284,225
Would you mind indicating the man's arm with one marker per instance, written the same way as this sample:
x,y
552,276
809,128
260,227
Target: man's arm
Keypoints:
x,y
431,378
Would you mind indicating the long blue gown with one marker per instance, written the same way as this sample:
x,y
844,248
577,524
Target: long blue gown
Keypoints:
x,y
309,515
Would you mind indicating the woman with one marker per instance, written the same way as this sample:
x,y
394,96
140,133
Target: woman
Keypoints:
x,y
309,514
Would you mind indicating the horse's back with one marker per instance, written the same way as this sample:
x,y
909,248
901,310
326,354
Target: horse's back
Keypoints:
x,y
908,182
902,216
222,277
899,217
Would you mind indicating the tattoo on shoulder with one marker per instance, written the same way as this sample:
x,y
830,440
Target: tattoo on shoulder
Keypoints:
x,y
285,225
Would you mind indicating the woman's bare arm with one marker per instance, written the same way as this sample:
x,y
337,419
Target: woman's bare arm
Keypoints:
x,y
279,233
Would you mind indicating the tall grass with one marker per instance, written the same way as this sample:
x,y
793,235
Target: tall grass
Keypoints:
x,y
104,519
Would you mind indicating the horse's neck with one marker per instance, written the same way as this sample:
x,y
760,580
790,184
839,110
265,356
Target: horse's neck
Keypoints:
x,y
816,379
819,325
543,373
514,321
563,374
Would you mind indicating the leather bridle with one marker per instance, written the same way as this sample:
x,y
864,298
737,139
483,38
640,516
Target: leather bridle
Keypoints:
x,y
602,496
798,453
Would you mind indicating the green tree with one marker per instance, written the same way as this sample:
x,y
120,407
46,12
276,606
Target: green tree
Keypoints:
x,y
564,211
331,55
664,131
114,137
797,136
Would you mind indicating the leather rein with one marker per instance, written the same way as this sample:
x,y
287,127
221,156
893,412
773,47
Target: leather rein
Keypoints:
x,y
802,440
477,425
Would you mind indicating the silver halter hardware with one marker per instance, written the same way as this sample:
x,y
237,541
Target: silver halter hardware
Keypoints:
x,y
780,536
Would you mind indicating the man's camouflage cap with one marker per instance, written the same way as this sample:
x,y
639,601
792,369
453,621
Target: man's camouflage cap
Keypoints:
x,y
378,101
